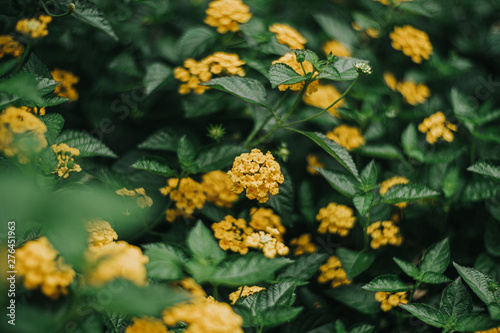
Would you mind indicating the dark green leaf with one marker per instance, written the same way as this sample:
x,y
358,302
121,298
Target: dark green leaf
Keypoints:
x,y
369,174
339,327
304,267
475,322
48,160
87,144
203,245
407,193
354,263
217,157
410,144
283,202
361,328
337,28
356,298
345,184
386,151
488,133
37,68
387,282
494,310
54,123
426,313
451,181
455,300
114,321
186,152
486,169
479,190
165,262
436,257
154,164
407,267
479,283
433,278
23,85
462,108
156,74
195,41
165,139
280,73
492,238
444,155
341,70
249,90
363,203
124,63
87,12
7,66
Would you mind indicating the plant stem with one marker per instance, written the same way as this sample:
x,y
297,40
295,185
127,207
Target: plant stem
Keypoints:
x,y
415,287
53,15
27,51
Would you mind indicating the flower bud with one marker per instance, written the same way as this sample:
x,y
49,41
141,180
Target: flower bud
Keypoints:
x,y
363,68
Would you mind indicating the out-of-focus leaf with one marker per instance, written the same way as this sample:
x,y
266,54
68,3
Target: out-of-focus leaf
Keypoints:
x,y
304,267
451,181
249,90
284,202
165,139
356,298
165,262
386,151
22,85
492,238
354,263
336,28
479,190
217,157
410,143
203,245
195,41
156,74
87,12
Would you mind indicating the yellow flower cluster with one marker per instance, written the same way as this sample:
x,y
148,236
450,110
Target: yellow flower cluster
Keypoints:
x,y
65,88
21,134
336,48
37,261
263,218
383,233
290,59
347,136
437,127
391,81
226,15
336,219
207,316
190,285
493,330
9,45
388,183
100,233
388,300
313,162
66,160
217,188
195,72
34,110
288,36
259,174
268,242
303,245
370,32
244,292
143,200
232,234
147,324
187,195
34,28
332,270
395,2
413,93
323,97
413,42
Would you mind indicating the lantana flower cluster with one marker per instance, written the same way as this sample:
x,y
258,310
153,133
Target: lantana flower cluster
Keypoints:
x,y
323,97
66,160
336,48
370,32
384,233
65,88
302,69
412,42
347,136
232,234
389,300
226,15
34,28
8,45
413,93
437,127
244,291
143,200
493,330
217,188
332,271
303,244
268,242
336,219
288,36
263,218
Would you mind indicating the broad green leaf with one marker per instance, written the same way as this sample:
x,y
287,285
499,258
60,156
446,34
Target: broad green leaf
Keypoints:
x,y
407,193
361,328
37,68
488,265
195,41
407,267
217,157
49,100
165,139
54,123
433,278
369,174
341,70
278,294
354,263
488,133
200,271
486,117
22,85
475,322
48,160
486,169
480,283
345,184
124,63
363,203
154,164
284,202
306,201
7,66
249,269
249,90
451,181
186,152
156,74
387,282
203,245
87,12
494,310
280,73
426,313
339,327
304,267
479,190
462,108
309,55
492,238
165,262
356,298
455,300
409,141
444,155
114,321
436,257
85,143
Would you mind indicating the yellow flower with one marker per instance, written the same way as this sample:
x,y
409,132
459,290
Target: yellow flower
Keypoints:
x,y
323,97
232,234
34,28
313,162
336,48
66,160
303,245
65,88
263,218
226,14
34,110
383,233
347,136
143,200
493,330
288,36
21,134
147,324
247,291
9,45
390,80
332,270
370,32
100,233
259,174
38,263
413,42
412,92
388,300
217,188
396,180
187,197
268,242
336,219
290,59
437,127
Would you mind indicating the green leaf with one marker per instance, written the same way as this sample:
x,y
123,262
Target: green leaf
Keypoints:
x,y
475,322
479,283
356,298
87,12
407,267
154,164
249,269
341,70
336,28
363,203
488,133
426,313
492,237
455,300
113,321
486,169
54,123
386,151
409,141
249,90
494,310
186,152
387,282
48,160
165,262
361,328
165,139
156,74
339,327
37,68
200,105
7,66
124,63
354,263
462,108
479,190
369,174
304,267
217,157
203,245
280,73
407,193
345,184
22,85
436,257
451,181
309,55
444,155
433,278
195,41
85,143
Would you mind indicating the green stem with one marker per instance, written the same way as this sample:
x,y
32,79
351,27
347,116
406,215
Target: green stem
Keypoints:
x,y
415,287
27,51
254,133
51,14
298,100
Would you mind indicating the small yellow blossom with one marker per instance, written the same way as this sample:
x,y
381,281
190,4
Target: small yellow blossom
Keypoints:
x,y
313,162
226,15
388,183
34,110
66,160
34,28
383,233
187,197
100,233
437,127
388,300
217,188
263,218
413,42
9,45
347,136
288,36
493,330
370,32
336,48
390,80
323,97
65,88
290,59
412,92
190,285
336,219
232,234
332,270
143,200
147,324
268,242
21,134
303,245
38,263
247,291
259,174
